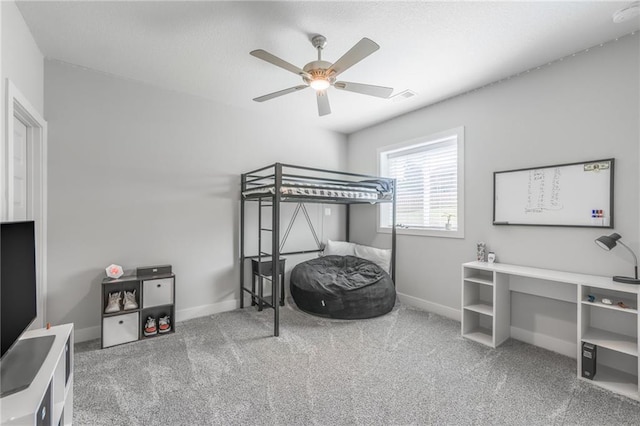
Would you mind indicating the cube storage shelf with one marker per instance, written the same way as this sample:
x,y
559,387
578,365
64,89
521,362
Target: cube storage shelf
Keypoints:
x,y
612,327
155,296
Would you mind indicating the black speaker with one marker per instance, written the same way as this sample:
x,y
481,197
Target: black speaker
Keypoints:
x,y
150,271
589,352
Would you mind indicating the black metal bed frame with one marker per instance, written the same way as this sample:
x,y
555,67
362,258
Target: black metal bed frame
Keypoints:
x,y
272,177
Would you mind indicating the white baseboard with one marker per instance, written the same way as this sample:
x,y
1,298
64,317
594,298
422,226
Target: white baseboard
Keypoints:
x,y
204,310
542,340
547,342
84,334
551,343
91,333
436,308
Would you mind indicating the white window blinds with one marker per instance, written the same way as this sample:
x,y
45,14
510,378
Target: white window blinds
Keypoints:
x,y
427,185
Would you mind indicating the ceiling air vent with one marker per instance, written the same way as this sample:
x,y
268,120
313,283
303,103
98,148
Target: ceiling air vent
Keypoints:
x,y
403,96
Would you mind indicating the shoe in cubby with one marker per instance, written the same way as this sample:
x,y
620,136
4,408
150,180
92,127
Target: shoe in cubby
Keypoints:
x,y
164,324
130,300
150,328
113,305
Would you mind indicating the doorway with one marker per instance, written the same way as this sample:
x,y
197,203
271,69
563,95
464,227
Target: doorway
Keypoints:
x,y
23,181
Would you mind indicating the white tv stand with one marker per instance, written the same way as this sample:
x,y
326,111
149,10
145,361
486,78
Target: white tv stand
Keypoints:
x,y
49,398
486,315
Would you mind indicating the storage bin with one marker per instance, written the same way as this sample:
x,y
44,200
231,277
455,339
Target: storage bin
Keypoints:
x,y
157,292
120,329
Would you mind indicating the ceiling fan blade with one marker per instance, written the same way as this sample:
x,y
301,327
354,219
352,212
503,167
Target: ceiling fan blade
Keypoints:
x,y
272,59
365,89
361,50
280,93
323,103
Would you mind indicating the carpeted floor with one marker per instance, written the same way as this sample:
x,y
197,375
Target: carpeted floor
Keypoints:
x,y
407,367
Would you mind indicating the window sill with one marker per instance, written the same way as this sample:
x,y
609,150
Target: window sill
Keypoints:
x,y
441,233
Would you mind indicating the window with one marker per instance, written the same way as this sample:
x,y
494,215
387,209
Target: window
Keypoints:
x,y
429,179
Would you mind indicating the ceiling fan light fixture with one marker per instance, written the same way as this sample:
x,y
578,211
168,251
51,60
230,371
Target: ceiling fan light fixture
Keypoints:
x,y
321,75
627,13
319,84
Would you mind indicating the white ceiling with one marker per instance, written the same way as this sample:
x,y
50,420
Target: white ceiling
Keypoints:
x,y
437,49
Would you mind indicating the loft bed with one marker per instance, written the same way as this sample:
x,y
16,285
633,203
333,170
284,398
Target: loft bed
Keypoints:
x,y
284,183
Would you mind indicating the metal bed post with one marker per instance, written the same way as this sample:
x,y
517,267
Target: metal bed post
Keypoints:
x,y
260,280
275,251
243,182
347,214
393,234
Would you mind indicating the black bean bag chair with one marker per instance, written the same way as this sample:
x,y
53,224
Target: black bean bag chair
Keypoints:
x,y
342,287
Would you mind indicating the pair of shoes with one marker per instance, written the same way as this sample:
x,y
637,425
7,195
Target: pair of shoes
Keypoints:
x,y
164,326
114,302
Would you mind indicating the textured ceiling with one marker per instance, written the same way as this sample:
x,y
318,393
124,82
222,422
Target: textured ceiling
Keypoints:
x,y
436,49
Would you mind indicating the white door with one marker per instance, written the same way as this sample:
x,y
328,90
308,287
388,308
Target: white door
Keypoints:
x,y
20,178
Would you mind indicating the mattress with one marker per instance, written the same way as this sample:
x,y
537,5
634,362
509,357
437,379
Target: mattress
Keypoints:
x,y
316,190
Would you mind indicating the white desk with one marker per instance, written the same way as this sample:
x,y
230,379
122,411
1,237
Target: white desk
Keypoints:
x,y
486,315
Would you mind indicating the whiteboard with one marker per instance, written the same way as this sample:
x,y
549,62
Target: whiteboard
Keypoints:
x,y
577,194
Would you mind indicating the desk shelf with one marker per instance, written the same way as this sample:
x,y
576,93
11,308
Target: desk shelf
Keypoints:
x,y
480,335
481,308
613,330
482,321
614,341
616,381
598,303
479,280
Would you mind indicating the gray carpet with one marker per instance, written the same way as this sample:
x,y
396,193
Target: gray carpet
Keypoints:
x,y
408,367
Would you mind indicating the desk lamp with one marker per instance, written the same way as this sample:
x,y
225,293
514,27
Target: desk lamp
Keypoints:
x,y
607,242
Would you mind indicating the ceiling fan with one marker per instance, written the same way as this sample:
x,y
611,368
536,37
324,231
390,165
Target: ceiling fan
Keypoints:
x,y
320,75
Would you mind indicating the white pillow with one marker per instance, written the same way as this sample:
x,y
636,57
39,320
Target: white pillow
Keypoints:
x,y
339,248
381,257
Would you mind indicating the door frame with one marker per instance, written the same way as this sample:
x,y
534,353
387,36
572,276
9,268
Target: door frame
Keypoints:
x,y
17,105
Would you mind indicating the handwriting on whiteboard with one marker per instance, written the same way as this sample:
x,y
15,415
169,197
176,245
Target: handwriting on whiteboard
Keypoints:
x,y
543,191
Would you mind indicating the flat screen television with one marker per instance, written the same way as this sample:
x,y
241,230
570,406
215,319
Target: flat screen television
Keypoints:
x,y
18,300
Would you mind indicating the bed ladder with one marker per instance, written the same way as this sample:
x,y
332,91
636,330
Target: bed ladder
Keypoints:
x,y
274,277
273,202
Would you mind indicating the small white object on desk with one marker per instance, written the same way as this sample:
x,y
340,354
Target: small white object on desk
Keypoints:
x,y
114,271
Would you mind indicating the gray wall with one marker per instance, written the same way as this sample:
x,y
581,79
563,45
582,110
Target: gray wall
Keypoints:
x,y
140,176
22,61
581,108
